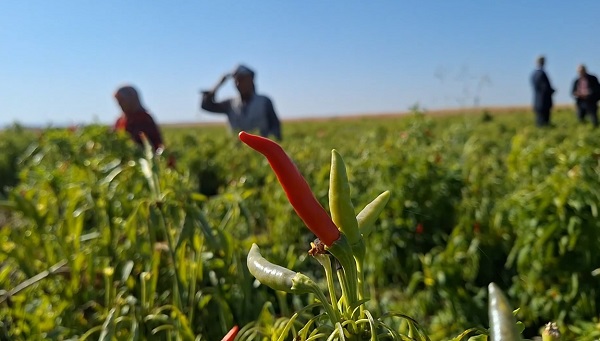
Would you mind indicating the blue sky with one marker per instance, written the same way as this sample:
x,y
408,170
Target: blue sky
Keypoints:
x,y
61,61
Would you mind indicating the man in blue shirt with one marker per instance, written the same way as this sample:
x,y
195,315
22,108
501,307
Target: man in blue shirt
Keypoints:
x,y
250,111
542,94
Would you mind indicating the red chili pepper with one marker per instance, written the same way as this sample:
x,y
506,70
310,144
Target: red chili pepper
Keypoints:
x,y
420,229
171,161
296,188
231,334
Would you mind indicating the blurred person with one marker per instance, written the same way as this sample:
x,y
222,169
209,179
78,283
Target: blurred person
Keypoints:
x,y
586,91
250,111
542,94
135,118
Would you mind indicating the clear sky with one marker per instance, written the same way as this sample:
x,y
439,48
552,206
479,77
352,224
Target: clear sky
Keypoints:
x,y
61,61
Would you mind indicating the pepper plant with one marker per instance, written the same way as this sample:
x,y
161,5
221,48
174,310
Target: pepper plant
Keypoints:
x,y
103,241
341,238
340,249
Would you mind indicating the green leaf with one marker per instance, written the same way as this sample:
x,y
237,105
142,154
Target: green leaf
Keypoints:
x,y
109,326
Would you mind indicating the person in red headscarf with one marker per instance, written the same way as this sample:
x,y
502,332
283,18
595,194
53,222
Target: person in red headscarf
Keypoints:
x,y
135,119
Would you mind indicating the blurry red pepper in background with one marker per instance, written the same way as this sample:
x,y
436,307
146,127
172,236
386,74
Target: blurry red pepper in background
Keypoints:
x,y
231,334
420,229
476,227
171,161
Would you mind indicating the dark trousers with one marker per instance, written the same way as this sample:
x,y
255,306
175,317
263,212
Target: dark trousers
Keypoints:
x,y
587,109
542,117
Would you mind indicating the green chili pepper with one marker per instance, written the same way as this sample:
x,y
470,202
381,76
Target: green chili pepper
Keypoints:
x,y
275,276
340,204
283,279
502,321
342,213
366,218
296,188
272,275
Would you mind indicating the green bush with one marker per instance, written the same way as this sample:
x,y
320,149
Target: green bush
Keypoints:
x,y
13,143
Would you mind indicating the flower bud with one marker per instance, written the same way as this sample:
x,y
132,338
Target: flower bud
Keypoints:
x,y
551,332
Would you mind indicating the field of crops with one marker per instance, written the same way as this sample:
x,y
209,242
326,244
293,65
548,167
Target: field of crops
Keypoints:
x,y
100,240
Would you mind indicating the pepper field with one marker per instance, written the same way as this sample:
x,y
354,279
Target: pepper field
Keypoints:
x,y
100,241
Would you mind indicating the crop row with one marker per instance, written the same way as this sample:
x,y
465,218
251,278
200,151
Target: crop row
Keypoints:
x,y
130,247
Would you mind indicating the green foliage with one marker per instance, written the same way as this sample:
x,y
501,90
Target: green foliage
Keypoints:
x,y
13,142
139,258
158,252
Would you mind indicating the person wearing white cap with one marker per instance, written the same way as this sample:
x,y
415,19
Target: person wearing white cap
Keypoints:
x,y
250,111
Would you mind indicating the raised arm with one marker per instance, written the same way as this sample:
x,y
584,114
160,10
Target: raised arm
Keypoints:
x,y
209,104
208,99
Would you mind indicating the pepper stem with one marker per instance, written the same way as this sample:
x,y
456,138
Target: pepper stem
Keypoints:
x,y
303,283
344,286
326,263
343,252
359,250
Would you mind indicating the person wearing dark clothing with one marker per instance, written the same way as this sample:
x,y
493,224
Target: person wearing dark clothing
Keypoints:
x,y
542,94
586,90
135,119
250,111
